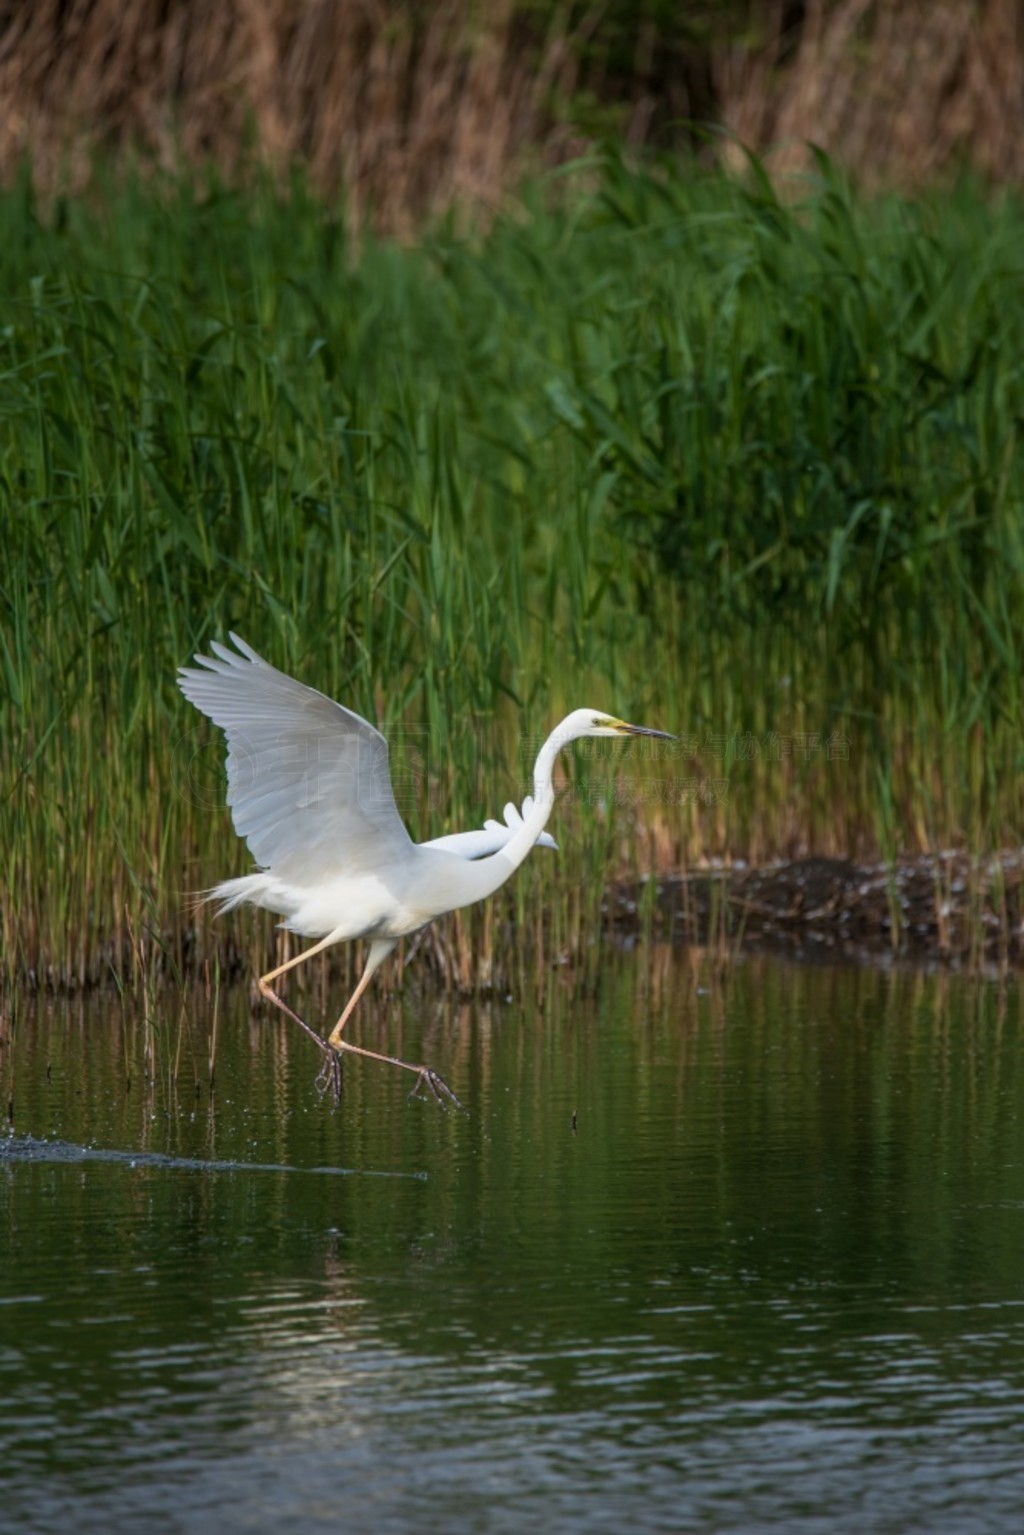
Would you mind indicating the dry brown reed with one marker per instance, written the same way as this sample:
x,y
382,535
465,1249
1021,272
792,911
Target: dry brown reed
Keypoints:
x,y
407,108
411,108
901,92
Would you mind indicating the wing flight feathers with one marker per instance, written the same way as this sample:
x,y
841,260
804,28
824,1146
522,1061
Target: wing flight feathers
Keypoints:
x,y
309,784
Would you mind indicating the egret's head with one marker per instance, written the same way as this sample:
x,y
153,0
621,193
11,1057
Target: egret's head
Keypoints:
x,y
591,722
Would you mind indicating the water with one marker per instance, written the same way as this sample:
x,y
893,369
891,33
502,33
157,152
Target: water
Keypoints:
x,y
774,1279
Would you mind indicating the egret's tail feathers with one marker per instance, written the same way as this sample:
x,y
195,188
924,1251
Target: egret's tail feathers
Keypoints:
x,y
257,889
195,900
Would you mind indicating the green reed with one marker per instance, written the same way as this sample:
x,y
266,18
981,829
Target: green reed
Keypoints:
x,y
663,444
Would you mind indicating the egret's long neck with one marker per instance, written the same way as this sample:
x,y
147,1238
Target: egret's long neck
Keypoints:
x,y
489,874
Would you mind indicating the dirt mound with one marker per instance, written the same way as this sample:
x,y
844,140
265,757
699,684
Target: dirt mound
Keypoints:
x,y
933,906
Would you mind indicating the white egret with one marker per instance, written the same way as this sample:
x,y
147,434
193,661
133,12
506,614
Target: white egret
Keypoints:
x,y
310,792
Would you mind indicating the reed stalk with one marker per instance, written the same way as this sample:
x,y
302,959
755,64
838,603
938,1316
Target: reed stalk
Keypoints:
x,y
744,470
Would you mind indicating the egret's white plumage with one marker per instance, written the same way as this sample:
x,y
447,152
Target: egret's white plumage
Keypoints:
x,y
494,835
309,786
308,781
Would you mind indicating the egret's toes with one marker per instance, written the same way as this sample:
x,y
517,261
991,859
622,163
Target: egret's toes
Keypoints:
x,y
439,1089
328,1078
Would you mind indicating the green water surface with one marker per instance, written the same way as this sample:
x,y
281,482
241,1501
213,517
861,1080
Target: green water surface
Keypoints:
x,y
705,1253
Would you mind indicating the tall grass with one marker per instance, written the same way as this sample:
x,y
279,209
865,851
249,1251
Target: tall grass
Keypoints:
x,y
744,470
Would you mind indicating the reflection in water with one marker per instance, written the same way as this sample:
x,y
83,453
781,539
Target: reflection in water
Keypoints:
x,y
774,1277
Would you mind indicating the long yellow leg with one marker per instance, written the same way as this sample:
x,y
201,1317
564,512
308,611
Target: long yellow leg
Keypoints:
x,y
332,1067
379,951
332,1047
266,990
334,1038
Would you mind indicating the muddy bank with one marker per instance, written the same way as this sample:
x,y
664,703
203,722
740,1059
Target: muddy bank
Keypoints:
x,y
945,906
945,909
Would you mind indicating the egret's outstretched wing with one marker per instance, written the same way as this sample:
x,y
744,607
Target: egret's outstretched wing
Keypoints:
x,y
308,781
492,837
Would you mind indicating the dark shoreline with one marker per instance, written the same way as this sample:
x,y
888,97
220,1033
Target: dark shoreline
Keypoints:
x,y
944,910
930,908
